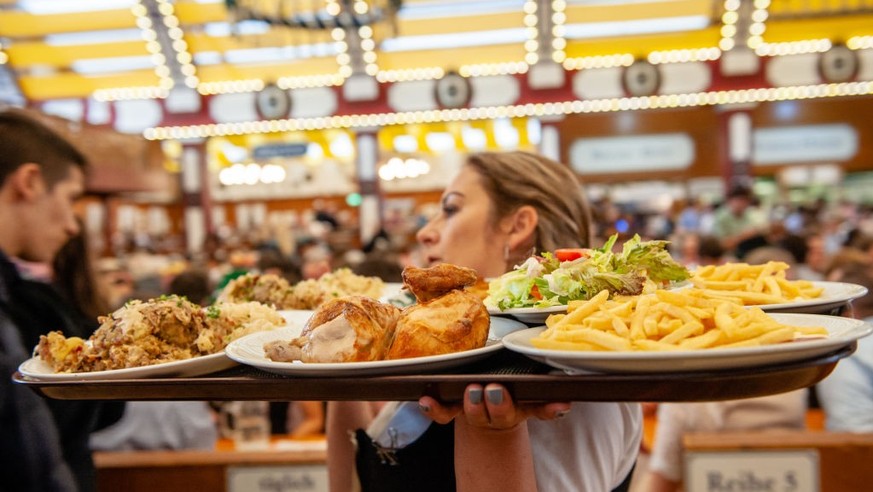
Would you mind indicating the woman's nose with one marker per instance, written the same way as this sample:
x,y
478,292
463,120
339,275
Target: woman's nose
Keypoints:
x,y
427,235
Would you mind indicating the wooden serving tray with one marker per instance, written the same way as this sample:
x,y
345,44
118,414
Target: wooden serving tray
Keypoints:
x,y
526,379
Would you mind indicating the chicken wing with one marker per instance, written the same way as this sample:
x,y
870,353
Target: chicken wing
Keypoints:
x,y
429,283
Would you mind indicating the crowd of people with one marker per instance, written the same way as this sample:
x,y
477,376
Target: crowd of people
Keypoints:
x,y
494,213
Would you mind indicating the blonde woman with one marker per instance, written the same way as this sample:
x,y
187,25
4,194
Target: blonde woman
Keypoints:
x,y
495,212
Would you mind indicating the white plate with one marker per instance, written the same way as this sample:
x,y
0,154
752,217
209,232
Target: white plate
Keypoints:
x,y
390,290
250,350
36,368
835,294
530,315
533,315
296,317
842,331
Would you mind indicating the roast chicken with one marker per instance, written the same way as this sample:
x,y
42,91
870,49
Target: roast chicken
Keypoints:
x,y
347,329
355,329
446,319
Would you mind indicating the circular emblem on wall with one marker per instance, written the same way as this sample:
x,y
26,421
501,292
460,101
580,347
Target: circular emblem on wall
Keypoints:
x,y
838,64
641,78
453,91
272,102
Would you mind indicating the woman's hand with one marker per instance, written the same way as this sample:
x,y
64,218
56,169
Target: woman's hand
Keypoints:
x,y
491,407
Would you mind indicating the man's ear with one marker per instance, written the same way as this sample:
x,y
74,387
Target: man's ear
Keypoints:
x,y
520,226
27,182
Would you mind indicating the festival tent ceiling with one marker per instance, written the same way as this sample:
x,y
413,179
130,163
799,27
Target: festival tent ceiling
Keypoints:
x,y
53,49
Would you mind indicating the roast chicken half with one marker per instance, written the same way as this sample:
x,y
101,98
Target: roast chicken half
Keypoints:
x,y
356,329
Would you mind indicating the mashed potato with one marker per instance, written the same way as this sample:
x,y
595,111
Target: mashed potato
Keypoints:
x,y
308,294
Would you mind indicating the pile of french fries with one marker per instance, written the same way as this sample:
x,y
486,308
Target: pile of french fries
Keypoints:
x,y
753,284
666,320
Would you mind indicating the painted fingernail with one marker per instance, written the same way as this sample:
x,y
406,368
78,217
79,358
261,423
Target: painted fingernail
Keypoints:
x,y
475,396
561,414
495,396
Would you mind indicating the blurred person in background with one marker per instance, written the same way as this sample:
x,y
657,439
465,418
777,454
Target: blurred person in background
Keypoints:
x,y
41,176
115,281
737,224
846,395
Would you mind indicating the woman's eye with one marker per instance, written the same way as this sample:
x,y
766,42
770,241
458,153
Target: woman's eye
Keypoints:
x,y
449,210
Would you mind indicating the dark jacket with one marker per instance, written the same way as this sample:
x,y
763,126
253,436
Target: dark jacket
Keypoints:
x,y
36,308
31,459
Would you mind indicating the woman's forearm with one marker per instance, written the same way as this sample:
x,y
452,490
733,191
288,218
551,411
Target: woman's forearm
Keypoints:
x,y
344,417
493,460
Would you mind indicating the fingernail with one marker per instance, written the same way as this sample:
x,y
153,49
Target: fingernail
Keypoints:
x,y
561,414
475,396
495,396
424,408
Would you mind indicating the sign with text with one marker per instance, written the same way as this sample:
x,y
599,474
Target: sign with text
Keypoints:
x,y
285,478
609,155
810,143
270,151
752,471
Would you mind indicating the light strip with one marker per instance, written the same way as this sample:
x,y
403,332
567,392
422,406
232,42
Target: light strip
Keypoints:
x,y
602,61
153,46
129,93
744,96
531,32
559,18
860,43
794,47
426,73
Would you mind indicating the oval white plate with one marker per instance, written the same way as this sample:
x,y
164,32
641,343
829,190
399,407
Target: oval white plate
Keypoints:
x,y
835,294
296,317
842,331
36,368
530,315
249,350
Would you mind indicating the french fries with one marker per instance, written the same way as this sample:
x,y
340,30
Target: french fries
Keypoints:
x,y
667,320
752,284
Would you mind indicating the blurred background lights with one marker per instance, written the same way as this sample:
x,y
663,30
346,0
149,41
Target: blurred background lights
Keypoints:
x,y
354,199
397,168
251,174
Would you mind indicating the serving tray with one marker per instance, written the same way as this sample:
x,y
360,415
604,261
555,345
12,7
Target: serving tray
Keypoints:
x,y
527,380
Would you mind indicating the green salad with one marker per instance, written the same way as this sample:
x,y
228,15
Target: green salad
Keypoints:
x,y
555,278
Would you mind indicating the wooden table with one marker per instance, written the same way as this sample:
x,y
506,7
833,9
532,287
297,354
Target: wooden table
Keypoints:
x,y
526,379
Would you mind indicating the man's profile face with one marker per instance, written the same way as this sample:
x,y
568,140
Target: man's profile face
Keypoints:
x,y
52,220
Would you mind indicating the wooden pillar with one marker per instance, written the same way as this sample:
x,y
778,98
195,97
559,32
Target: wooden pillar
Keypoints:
x,y
366,164
196,199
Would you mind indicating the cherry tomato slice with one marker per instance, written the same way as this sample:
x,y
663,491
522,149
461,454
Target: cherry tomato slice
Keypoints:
x,y
570,254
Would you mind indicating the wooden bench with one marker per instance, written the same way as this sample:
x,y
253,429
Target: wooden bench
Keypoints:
x,y
190,471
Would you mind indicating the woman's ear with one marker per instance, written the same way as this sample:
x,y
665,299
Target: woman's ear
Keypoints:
x,y
520,226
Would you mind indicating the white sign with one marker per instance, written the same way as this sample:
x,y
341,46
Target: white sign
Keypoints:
x,y
608,155
284,478
752,471
812,143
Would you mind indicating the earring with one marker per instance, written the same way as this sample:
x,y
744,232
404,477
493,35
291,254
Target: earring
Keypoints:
x,y
506,252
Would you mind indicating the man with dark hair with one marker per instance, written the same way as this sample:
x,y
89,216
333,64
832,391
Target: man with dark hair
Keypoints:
x,y
41,175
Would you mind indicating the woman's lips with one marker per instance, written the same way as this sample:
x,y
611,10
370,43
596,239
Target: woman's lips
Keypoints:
x,y
432,260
